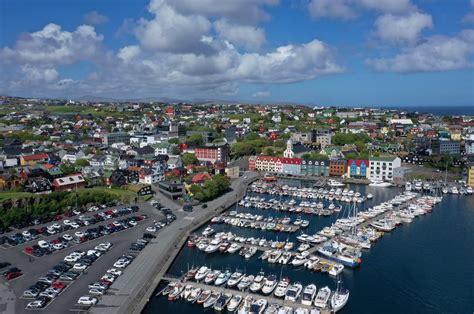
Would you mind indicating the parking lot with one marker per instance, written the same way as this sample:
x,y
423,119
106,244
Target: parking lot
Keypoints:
x,y
35,267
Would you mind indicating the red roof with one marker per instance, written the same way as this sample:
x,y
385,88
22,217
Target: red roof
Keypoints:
x,y
283,160
201,177
48,166
358,162
35,157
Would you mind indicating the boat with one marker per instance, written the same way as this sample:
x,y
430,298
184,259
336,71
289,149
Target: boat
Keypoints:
x,y
194,295
245,282
234,279
339,298
187,291
211,276
369,196
272,308
208,232
191,274
234,247
204,296
293,292
299,259
234,303
215,295
176,292
336,269
281,288
258,306
285,310
469,190
244,307
334,183
258,282
269,285
222,278
213,246
201,273
380,184
169,288
250,252
222,302
322,297
309,293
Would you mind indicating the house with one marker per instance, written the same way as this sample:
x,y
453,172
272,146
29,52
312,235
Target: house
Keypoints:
x,y
400,174
174,162
213,153
140,189
173,189
117,178
52,170
232,172
38,185
315,167
9,181
332,152
357,168
470,175
72,156
31,160
69,183
200,178
381,168
151,175
337,167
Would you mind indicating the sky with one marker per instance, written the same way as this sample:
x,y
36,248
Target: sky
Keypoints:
x,y
324,52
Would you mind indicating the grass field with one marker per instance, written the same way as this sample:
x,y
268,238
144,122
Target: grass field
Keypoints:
x,y
14,195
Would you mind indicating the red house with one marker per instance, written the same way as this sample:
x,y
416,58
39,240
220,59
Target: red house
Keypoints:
x,y
69,183
201,177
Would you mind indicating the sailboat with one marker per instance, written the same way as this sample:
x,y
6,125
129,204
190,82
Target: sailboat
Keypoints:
x,y
339,297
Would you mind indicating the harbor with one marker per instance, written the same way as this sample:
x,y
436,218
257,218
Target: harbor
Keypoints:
x,y
247,238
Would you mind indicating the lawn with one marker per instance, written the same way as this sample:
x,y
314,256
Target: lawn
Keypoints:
x,y
14,195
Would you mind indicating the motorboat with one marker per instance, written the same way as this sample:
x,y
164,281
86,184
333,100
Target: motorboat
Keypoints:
x,y
336,269
309,293
293,292
222,278
258,282
258,307
202,273
208,232
211,276
176,292
244,307
245,282
281,288
234,303
269,285
234,247
194,295
187,291
215,295
234,279
204,296
322,297
221,303
272,308
250,252
380,184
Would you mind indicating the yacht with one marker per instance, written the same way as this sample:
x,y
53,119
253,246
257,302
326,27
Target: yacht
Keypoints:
x,y
258,282
222,278
269,285
222,302
308,294
250,252
339,299
213,246
258,306
322,297
235,279
293,292
380,184
212,299
334,183
208,232
299,259
234,303
280,290
202,272
234,247
211,276
245,282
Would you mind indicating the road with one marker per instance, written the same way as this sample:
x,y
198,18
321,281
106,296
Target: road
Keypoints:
x,y
131,290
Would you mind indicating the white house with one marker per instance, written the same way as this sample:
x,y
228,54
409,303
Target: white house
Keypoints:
x,y
381,168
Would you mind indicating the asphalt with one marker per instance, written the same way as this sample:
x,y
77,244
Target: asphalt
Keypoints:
x,y
34,268
131,291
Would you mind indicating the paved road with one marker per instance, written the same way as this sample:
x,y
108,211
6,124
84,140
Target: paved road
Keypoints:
x,y
38,267
131,290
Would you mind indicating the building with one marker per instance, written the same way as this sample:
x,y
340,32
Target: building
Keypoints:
x,y
213,153
291,166
115,137
469,145
267,164
69,183
173,189
381,168
357,168
333,153
288,153
315,167
232,172
140,189
400,174
321,136
200,178
31,160
38,185
337,167
470,175
443,146
9,181
400,121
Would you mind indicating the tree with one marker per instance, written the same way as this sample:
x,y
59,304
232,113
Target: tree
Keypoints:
x,y
81,163
314,156
189,159
67,168
173,140
243,149
175,150
196,139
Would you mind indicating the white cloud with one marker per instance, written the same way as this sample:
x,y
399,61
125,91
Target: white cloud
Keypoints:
x,y
402,28
249,37
39,74
95,18
128,53
349,8
261,94
438,53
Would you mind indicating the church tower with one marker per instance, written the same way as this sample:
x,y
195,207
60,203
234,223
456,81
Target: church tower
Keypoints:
x,y
288,153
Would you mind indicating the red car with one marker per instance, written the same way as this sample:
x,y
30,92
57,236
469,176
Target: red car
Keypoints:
x,y
13,275
58,285
28,250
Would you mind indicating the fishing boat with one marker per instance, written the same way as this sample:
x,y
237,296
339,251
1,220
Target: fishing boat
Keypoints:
x,y
222,302
215,295
191,274
234,303
176,292
309,293
293,292
322,297
269,285
204,296
339,298
281,288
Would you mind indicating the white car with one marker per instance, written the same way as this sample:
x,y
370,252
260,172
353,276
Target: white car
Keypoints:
x,y
79,234
58,246
74,225
115,272
56,226
43,244
108,277
93,209
71,258
94,252
30,294
79,267
132,223
107,245
87,300
151,229
120,264
67,237
67,222
26,234
48,294
76,212
53,290
96,291
37,304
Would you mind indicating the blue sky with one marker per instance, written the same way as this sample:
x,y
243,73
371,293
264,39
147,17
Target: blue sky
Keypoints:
x,y
325,52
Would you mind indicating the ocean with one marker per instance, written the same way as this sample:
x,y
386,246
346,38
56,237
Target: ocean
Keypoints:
x,y
421,267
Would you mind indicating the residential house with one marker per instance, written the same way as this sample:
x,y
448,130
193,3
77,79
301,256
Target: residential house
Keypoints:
x,y
357,168
69,183
32,160
9,181
381,168
315,167
332,152
38,185
200,178
72,156
337,167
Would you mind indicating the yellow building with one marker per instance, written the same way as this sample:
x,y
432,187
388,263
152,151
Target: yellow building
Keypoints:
x,y
470,175
455,136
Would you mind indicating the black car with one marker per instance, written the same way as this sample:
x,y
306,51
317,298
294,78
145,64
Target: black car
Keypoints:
x,y
149,236
4,264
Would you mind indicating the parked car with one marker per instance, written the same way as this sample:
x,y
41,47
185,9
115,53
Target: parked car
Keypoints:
x,y
87,300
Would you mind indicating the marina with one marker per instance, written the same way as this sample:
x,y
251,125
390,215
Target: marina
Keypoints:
x,y
350,233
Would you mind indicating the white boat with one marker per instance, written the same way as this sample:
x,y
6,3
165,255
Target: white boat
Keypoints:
x,y
336,269
205,295
222,278
469,190
285,310
269,285
194,295
272,308
322,297
334,183
245,282
221,303
234,247
212,299
234,303
234,279
380,184
250,252
309,293
208,232
293,292
245,305
258,282
369,196
299,260
187,291
211,276
202,272
339,298
281,288
258,307
454,190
